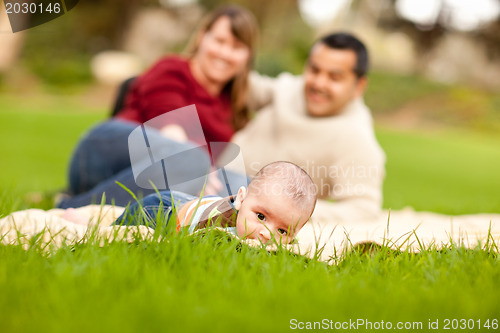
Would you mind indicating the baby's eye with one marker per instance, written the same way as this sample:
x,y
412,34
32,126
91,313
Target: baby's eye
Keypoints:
x,y
282,231
261,216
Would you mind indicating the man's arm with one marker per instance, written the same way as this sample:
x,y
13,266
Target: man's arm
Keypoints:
x,y
261,90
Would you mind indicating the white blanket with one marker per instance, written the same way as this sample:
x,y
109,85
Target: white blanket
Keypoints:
x,y
402,230
52,231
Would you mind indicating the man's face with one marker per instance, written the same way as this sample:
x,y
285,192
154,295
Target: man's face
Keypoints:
x,y
330,82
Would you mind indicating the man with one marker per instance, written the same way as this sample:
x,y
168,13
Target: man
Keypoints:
x,y
320,122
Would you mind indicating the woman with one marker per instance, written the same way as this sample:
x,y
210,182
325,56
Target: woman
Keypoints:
x,y
213,77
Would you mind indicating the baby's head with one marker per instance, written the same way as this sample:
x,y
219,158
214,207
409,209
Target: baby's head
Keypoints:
x,y
279,200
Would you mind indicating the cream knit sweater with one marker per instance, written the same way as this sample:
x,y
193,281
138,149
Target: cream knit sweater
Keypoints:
x,y
340,153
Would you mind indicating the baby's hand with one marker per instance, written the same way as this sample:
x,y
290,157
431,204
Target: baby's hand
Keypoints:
x,y
214,185
174,132
71,215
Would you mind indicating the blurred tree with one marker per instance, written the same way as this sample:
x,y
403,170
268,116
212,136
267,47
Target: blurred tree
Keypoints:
x,y
106,20
383,14
59,51
490,36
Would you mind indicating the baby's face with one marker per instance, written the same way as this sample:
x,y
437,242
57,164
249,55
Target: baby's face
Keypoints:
x,y
265,216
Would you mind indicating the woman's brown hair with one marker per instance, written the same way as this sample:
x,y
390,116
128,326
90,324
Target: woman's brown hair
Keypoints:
x,y
244,28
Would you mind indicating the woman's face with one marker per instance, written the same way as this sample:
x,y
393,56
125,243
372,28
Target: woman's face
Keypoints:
x,y
220,55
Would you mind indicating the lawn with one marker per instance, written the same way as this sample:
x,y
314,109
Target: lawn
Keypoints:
x,y
448,171
452,171
211,284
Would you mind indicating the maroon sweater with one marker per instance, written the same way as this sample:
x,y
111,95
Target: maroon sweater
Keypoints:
x,y
169,85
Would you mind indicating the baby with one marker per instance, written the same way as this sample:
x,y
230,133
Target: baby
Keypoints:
x,y
279,200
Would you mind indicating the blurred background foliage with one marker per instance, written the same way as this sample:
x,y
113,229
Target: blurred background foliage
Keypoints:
x,y
59,52
414,80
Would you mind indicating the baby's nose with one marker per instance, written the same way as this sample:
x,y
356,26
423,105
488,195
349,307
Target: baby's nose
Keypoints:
x,y
264,234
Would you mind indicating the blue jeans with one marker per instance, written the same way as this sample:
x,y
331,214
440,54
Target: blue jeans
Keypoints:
x,y
154,208
102,158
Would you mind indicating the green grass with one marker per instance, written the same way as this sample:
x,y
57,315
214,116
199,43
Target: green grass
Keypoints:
x,y
215,285
36,145
428,101
452,171
211,284
388,92
39,146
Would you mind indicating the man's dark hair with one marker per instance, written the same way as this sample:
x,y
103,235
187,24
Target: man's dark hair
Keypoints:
x,y
346,41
